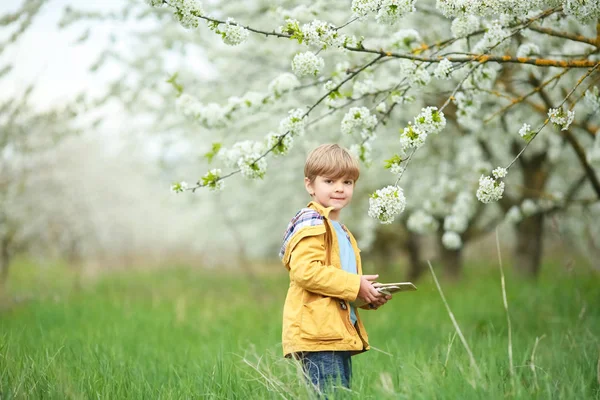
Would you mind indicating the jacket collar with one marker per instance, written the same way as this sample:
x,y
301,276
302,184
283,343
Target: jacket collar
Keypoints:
x,y
324,211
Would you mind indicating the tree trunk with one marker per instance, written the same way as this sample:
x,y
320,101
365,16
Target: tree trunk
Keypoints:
x,y
413,247
451,260
528,249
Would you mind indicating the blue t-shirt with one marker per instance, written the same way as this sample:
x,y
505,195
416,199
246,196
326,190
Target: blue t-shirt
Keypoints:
x,y
347,257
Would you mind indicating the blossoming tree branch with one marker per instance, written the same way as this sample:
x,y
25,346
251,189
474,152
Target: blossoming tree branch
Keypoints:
x,y
482,112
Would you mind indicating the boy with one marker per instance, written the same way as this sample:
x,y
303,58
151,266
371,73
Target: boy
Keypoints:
x,y
321,328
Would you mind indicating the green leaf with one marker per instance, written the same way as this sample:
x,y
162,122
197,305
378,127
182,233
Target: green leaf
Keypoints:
x,y
173,81
213,152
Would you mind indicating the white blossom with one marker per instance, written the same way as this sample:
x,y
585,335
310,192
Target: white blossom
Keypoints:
x,y
526,133
422,222
499,172
361,8
527,50
489,189
293,123
408,39
381,107
187,12
233,34
529,207
213,180
443,69
307,63
494,35
514,215
396,169
583,10
322,34
283,83
451,240
559,119
179,187
390,11
430,120
412,137
464,25
154,3
247,155
359,119
386,203
280,144
456,223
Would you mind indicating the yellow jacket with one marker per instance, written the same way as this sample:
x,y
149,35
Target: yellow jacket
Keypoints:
x,y
316,314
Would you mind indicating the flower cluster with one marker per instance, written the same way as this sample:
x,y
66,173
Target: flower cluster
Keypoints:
x,y
232,33
248,156
560,119
489,189
584,11
283,83
386,203
322,34
407,39
526,133
414,73
390,11
359,119
179,187
451,240
464,25
493,38
387,11
429,121
210,115
212,180
307,63
456,223
294,123
187,12
394,164
280,143
422,222
443,70
499,173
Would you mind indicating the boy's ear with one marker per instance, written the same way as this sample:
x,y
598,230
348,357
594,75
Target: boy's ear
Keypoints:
x,y
308,186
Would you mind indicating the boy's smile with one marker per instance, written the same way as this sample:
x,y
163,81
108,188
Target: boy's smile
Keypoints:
x,y
331,192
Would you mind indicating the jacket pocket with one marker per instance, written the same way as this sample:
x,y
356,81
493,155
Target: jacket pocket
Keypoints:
x,y
321,320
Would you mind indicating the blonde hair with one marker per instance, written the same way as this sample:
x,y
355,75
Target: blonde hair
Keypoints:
x,y
331,161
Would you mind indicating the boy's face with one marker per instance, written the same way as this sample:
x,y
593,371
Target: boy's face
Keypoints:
x,y
329,192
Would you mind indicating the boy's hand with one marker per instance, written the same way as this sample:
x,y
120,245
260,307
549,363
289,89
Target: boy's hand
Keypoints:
x,y
380,301
367,292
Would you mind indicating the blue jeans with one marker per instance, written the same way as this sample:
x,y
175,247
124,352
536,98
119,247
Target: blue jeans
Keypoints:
x,y
327,368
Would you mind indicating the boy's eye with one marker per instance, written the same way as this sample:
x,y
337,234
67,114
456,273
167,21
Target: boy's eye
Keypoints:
x,y
328,181
348,182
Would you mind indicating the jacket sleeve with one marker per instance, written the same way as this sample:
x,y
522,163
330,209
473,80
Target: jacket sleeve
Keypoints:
x,y
308,271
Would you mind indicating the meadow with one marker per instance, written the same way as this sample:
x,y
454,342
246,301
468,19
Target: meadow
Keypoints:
x,y
182,333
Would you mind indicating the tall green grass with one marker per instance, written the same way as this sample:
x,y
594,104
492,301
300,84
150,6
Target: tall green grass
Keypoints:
x,y
180,333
